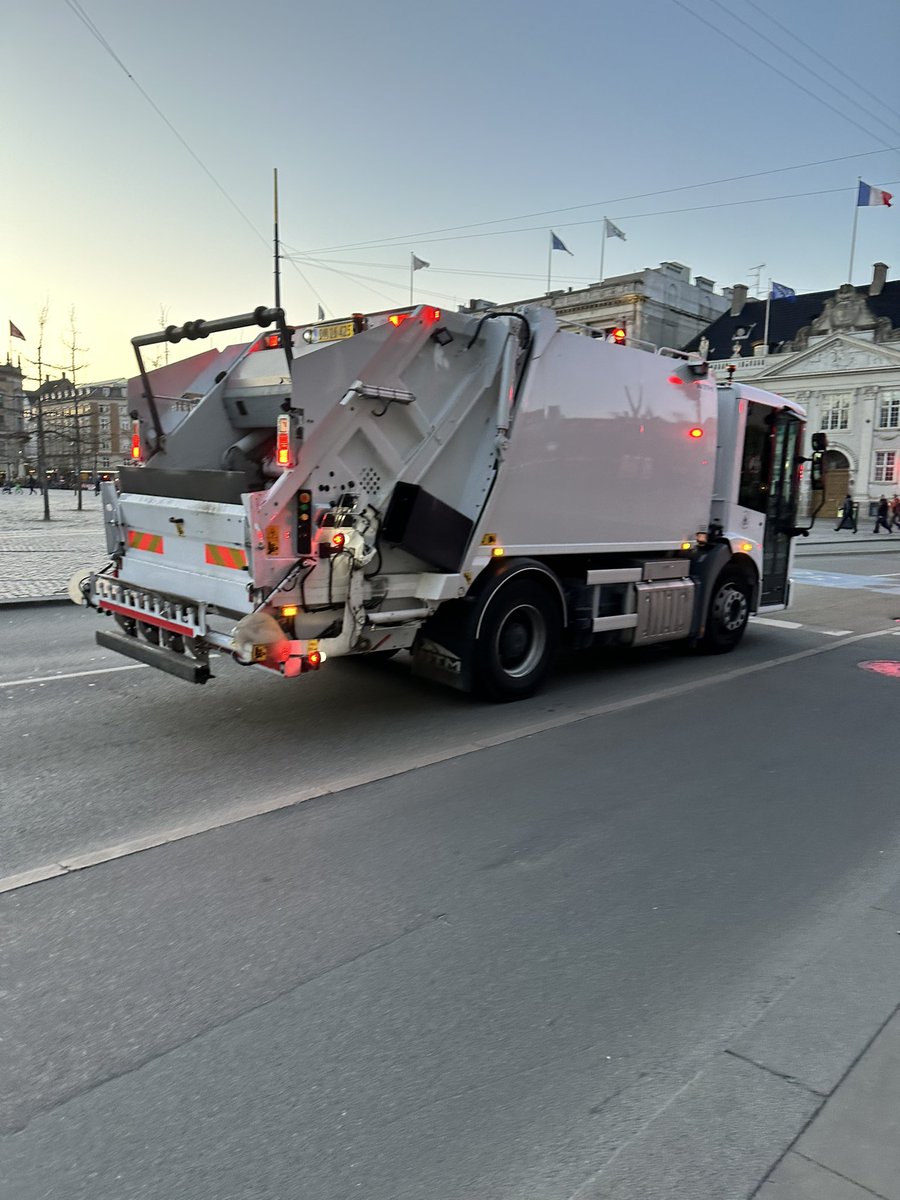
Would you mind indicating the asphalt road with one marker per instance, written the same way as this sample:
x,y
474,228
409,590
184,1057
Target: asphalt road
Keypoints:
x,y
613,942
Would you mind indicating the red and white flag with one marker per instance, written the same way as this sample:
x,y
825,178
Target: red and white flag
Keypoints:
x,y
15,331
869,197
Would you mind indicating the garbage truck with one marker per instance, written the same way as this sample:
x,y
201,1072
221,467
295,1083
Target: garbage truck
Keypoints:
x,y
480,490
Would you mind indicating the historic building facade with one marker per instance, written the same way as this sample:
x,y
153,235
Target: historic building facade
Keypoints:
x,y
838,354
660,305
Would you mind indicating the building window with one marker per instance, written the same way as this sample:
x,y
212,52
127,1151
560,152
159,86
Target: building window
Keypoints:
x,y
885,466
836,411
889,416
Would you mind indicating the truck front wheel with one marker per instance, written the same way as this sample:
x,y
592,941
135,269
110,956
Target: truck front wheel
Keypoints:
x,y
729,611
517,641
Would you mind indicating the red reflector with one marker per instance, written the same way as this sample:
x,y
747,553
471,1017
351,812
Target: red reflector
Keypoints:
x,y
431,314
695,433
675,379
314,658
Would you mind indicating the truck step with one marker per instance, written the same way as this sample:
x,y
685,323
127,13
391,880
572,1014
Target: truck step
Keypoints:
x,y
155,656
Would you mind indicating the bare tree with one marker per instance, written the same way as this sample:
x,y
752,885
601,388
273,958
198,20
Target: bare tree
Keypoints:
x,y
73,348
39,409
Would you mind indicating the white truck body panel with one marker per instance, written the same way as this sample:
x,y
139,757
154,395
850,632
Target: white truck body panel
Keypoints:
x,y
600,454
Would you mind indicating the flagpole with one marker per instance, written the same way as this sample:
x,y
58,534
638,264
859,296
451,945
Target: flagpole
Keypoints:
x,y
549,260
602,248
412,259
766,329
853,236
277,263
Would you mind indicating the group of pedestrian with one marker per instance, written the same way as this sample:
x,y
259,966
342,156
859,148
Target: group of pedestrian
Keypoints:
x,y
9,485
887,514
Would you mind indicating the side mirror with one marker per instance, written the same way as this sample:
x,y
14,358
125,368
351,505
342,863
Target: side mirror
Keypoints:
x,y
820,442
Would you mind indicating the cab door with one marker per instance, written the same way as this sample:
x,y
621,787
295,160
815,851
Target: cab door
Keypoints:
x,y
770,484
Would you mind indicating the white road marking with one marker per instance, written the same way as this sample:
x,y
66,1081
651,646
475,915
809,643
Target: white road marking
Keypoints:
x,y
71,675
835,632
778,624
234,816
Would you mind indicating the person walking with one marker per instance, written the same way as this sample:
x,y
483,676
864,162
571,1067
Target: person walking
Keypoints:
x,y
847,514
881,516
895,512
30,485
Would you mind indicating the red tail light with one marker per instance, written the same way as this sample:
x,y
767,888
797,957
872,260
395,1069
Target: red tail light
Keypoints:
x,y
268,341
136,455
396,319
283,454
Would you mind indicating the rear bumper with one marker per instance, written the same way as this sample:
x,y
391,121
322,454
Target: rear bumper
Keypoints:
x,y
180,665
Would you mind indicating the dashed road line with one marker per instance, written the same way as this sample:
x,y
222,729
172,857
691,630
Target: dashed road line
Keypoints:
x,y
71,675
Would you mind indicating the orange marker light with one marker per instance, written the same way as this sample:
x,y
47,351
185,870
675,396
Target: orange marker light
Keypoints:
x,y
746,547
314,658
498,552
338,541
290,610
136,441
695,432
685,545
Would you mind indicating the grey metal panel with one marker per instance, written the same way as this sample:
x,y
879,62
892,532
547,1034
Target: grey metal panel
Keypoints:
x,y
664,611
667,568
620,621
615,575
222,487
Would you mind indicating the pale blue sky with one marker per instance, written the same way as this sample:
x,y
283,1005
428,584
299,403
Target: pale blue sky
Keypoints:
x,y
391,120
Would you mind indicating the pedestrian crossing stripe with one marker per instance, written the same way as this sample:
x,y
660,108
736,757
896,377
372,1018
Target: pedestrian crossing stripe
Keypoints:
x,y
151,542
226,556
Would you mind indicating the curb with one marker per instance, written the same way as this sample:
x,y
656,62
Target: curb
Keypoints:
x,y
25,601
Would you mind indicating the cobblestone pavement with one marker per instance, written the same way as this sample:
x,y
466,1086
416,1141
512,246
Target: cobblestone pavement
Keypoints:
x,y
38,557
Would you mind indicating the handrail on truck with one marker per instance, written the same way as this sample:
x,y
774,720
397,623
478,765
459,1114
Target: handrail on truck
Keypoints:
x,y
191,331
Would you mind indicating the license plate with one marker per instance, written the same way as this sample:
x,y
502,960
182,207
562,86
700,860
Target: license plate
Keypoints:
x,y
334,333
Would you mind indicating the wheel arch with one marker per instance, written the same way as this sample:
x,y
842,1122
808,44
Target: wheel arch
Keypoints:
x,y
491,581
706,569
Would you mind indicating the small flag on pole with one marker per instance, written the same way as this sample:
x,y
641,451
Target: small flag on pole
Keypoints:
x,y
419,263
781,292
15,331
869,197
321,316
557,244
613,230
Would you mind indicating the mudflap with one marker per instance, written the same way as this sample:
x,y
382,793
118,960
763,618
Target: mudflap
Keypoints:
x,y
444,646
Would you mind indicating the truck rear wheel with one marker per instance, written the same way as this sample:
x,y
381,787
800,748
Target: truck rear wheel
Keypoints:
x,y
728,614
517,641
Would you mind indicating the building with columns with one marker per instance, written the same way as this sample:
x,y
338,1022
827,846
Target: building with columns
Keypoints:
x,y
661,305
838,354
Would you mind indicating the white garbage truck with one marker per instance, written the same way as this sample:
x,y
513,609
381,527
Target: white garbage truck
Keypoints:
x,y
480,490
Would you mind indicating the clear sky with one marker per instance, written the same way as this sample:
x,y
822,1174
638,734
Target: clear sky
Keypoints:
x,y
461,132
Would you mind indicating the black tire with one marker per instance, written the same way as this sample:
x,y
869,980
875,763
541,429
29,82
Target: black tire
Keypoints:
x,y
728,613
517,641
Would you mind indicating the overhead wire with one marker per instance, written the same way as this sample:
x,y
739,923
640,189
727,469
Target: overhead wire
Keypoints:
x,y
307,256
552,212
803,67
82,14
770,67
832,66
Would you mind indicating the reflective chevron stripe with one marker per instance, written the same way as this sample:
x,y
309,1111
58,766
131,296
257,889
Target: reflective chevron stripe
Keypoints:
x,y
226,556
151,542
